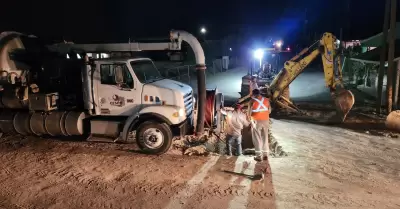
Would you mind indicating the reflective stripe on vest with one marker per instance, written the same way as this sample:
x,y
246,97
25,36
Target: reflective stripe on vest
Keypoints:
x,y
261,107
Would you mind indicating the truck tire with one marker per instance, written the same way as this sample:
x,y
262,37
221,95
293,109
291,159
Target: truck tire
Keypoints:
x,y
153,137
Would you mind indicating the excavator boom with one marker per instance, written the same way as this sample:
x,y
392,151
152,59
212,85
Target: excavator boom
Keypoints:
x,y
344,99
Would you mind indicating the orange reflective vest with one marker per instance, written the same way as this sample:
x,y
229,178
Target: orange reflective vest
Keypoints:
x,y
260,109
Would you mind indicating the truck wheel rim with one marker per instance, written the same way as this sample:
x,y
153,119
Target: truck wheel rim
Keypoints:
x,y
153,138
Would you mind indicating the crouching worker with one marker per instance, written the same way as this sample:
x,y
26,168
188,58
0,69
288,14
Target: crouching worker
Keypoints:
x,y
236,120
259,110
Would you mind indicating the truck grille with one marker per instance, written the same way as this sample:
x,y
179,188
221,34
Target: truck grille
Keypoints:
x,y
188,101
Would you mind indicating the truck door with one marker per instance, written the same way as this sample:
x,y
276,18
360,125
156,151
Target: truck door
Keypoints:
x,y
116,90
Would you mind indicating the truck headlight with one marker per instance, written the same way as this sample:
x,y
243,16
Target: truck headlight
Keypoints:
x,y
180,113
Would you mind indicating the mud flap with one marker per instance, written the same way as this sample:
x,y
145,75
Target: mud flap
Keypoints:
x,y
393,121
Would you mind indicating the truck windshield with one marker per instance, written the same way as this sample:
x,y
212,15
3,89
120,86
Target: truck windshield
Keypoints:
x,y
146,71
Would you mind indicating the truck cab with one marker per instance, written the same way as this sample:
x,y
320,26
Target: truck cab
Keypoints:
x,y
133,89
57,90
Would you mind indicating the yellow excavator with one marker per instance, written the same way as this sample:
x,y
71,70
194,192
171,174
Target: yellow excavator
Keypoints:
x,y
327,48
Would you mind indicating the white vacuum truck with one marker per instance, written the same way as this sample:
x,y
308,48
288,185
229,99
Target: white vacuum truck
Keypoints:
x,y
59,90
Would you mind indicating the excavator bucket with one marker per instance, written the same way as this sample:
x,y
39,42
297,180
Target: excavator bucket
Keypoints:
x,y
344,101
393,121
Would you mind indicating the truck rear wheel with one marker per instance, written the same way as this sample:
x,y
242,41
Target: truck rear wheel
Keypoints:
x,y
153,137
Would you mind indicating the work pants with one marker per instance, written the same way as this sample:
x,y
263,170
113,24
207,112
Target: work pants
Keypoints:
x,y
234,142
259,135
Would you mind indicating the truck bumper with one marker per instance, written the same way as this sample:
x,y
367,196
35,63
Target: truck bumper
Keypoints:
x,y
184,128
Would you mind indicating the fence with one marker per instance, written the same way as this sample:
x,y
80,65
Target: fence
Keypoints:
x,y
217,67
183,73
187,73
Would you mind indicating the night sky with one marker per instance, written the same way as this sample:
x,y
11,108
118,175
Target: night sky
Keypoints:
x,y
117,20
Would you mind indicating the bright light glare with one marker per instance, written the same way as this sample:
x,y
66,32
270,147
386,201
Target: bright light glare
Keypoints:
x,y
259,53
203,30
278,44
288,48
230,49
181,112
337,43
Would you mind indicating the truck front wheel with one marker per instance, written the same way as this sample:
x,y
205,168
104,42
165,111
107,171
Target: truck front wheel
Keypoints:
x,y
153,137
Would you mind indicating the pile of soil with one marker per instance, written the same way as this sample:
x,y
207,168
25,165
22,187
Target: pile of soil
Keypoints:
x,y
211,143
360,118
276,150
206,144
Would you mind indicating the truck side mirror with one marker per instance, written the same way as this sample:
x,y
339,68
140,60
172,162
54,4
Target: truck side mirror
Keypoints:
x,y
119,76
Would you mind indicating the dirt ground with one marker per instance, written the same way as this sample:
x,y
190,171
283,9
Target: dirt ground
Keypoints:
x,y
45,173
327,167
332,167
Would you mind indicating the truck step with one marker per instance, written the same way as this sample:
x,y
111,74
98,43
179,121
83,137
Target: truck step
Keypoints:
x,y
101,139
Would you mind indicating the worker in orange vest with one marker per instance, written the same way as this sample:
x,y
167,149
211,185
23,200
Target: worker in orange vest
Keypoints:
x,y
259,110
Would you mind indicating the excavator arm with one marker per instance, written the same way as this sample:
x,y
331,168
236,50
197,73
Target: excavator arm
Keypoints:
x,y
290,71
325,47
